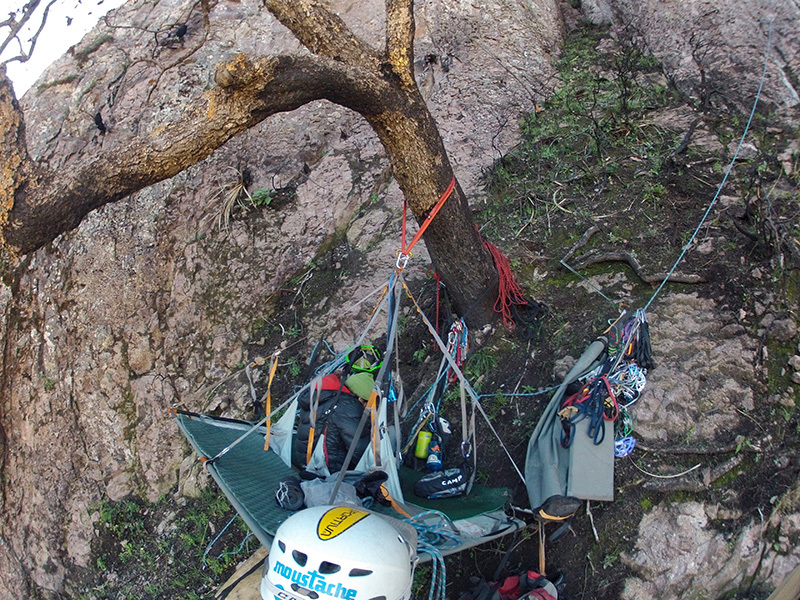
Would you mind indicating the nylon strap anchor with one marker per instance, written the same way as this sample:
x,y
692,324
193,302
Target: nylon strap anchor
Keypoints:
x,y
405,252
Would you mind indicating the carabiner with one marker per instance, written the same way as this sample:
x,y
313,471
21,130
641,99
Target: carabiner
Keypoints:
x,y
402,260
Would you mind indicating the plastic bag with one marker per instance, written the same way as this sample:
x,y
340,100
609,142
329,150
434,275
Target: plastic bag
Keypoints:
x,y
318,493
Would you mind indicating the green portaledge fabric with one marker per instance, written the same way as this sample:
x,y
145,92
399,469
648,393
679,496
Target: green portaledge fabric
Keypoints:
x,y
481,499
249,476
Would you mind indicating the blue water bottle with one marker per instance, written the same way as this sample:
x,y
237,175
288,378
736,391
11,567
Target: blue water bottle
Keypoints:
x,y
434,462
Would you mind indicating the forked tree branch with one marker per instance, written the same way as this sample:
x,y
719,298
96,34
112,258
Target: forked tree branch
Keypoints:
x,y
41,202
247,92
17,26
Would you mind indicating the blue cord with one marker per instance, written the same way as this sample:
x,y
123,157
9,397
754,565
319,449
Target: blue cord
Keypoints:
x,y
727,172
214,541
239,549
431,537
624,446
521,395
438,582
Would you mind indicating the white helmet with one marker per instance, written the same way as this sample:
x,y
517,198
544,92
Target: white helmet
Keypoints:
x,y
340,552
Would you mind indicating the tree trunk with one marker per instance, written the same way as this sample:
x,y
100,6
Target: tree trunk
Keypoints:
x,y
423,171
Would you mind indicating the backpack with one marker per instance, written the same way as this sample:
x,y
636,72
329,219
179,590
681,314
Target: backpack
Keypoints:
x,y
528,585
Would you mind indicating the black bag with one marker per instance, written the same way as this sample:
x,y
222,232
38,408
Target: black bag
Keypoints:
x,y
371,486
289,495
445,484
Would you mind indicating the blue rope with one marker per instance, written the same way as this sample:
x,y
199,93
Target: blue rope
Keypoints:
x,y
239,549
438,571
431,537
727,172
437,533
521,395
216,539
624,446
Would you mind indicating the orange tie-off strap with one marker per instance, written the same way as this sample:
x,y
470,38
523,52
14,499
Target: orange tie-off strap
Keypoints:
x,y
310,446
434,211
393,502
268,402
316,389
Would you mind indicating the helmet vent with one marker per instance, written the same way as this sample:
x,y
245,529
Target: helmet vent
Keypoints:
x,y
305,591
328,568
300,558
282,546
359,572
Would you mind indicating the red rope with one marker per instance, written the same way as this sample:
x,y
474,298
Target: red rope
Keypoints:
x,y
509,292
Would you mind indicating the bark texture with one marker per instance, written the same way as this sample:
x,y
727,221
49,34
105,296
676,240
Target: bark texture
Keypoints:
x,y
341,68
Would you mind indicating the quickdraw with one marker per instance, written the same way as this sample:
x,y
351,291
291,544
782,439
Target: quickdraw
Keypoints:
x,y
457,346
613,388
624,446
628,381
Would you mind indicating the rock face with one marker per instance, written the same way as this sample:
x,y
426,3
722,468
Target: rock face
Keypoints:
x,y
149,303
701,391
705,380
684,556
716,49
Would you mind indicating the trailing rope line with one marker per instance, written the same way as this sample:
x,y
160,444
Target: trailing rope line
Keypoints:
x,y
627,374
216,539
552,388
591,285
727,172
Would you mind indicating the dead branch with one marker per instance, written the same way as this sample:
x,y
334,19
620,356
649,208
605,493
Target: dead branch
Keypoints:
x,y
687,137
697,482
16,27
581,242
688,450
623,256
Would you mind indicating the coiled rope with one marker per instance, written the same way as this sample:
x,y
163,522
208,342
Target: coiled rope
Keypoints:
x,y
434,532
